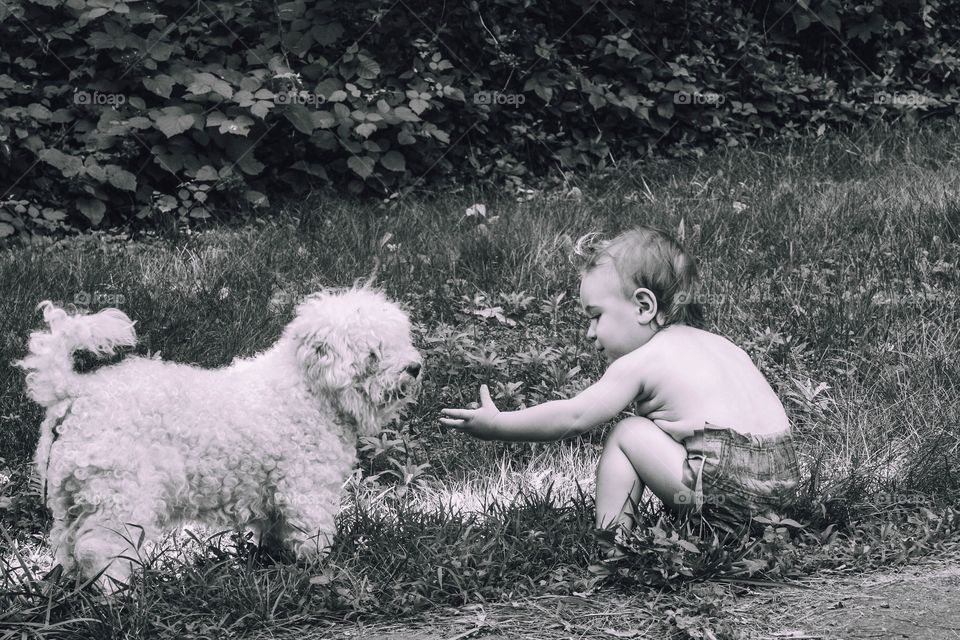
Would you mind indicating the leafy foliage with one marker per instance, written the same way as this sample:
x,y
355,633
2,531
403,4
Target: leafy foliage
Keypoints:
x,y
116,111
775,548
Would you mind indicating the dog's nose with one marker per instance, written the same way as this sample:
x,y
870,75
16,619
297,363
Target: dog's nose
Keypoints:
x,y
413,369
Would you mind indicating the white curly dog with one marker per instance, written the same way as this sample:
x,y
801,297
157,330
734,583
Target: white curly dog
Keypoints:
x,y
265,443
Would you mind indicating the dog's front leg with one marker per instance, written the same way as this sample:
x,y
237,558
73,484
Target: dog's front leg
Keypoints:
x,y
309,518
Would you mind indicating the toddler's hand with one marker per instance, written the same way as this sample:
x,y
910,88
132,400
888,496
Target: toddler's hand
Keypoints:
x,y
479,423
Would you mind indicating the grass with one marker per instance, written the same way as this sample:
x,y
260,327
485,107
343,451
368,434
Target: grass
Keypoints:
x,y
833,262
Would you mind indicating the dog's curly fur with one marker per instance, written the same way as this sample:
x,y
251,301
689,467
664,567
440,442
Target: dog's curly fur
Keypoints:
x,y
264,443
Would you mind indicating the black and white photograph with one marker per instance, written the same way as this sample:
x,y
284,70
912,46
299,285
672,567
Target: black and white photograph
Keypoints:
x,y
479,319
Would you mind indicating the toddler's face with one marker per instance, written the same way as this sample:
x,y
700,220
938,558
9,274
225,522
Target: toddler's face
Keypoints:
x,y
616,322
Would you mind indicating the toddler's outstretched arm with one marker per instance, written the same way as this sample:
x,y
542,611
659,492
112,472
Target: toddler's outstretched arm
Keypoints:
x,y
553,420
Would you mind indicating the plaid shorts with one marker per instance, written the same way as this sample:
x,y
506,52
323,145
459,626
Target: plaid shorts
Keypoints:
x,y
736,475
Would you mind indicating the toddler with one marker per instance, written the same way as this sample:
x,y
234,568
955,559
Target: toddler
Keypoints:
x,y
708,431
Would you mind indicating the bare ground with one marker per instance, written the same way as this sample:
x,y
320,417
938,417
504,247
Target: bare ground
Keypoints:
x,y
920,601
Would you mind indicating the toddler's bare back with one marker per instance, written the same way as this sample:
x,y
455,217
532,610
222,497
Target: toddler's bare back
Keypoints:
x,y
692,377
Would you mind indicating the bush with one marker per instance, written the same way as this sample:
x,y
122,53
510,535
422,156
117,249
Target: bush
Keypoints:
x,y
118,111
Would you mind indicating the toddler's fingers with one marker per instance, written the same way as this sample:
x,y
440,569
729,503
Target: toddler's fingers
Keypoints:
x,y
449,422
485,395
456,413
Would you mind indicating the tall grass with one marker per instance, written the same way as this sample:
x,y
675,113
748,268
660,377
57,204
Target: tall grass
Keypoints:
x,y
833,262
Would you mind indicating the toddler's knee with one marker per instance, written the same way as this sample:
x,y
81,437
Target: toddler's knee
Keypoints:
x,y
631,427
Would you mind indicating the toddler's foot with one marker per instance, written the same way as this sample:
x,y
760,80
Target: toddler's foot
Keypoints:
x,y
611,544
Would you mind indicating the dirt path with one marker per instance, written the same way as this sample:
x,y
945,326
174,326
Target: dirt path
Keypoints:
x,y
919,602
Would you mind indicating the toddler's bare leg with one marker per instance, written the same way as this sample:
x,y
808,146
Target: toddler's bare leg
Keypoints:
x,y
637,453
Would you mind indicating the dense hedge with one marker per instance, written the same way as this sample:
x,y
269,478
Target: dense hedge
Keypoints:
x,y
111,110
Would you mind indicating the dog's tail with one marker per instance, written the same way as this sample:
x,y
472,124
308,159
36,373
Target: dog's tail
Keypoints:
x,y
49,359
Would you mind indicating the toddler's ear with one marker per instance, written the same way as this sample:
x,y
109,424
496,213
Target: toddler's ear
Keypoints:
x,y
646,303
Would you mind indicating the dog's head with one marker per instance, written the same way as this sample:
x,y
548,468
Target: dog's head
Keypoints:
x,y
355,348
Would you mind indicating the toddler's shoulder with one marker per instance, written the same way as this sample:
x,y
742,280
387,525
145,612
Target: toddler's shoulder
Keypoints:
x,y
684,346
678,337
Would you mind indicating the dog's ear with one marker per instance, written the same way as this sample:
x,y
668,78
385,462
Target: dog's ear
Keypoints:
x,y
323,364
320,359
317,351
322,350
323,355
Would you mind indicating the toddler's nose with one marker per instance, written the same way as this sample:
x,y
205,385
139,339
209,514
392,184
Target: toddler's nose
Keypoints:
x,y
413,369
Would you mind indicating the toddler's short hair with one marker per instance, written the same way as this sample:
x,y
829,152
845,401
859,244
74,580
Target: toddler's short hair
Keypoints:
x,y
650,258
